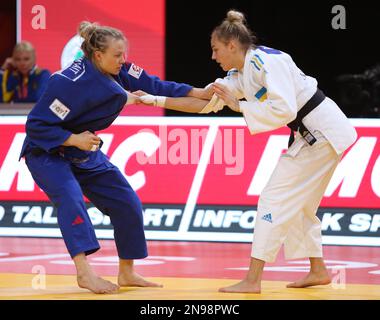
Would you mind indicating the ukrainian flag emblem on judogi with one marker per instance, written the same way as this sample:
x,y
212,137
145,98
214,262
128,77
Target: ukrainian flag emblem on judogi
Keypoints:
x,y
261,95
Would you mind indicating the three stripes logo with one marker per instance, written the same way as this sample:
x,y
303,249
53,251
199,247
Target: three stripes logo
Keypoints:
x,y
267,217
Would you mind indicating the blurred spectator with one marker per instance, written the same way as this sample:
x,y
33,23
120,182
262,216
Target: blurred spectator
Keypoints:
x,y
21,79
359,94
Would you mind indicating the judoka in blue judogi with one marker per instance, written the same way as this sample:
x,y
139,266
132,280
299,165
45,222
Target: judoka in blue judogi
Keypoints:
x,y
77,99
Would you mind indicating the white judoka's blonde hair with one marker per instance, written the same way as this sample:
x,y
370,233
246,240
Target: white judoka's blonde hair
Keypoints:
x,y
234,27
96,37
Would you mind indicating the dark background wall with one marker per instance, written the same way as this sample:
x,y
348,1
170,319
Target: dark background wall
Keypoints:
x,y
302,29
7,28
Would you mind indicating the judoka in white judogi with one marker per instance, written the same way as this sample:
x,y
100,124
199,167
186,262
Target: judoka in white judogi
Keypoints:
x,y
275,89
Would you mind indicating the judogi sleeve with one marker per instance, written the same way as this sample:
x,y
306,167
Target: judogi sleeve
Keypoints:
x,y
44,125
231,82
275,104
135,78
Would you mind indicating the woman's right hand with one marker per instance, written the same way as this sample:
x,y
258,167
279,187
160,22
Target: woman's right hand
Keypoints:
x,y
223,92
86,141
8,64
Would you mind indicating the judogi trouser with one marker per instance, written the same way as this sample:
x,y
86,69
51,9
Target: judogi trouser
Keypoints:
x,y
106,187
287,206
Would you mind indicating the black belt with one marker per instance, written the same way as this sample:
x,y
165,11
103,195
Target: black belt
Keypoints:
x,y
297,125
37,151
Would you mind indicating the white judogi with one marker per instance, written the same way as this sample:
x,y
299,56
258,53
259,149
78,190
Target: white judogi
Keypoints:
x,y
275,89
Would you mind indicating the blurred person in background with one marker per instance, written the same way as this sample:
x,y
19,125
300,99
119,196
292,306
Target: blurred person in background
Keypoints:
x,y
21,79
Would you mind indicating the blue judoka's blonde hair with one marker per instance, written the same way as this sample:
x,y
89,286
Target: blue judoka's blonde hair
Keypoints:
x,y
96,37
234,27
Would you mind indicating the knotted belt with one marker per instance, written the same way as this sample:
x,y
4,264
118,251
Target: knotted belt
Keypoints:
x,y
297,125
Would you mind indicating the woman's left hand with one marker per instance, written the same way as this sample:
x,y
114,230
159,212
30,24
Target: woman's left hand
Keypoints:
x,y
133,98
227,96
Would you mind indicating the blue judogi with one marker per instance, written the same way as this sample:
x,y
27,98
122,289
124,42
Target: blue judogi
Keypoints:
x,y
77,99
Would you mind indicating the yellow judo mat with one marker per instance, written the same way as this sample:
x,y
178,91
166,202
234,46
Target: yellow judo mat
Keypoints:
x,y
64,287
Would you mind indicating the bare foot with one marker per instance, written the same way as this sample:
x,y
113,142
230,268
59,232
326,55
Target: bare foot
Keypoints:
x,y
97,284
243,286
312,279
135,280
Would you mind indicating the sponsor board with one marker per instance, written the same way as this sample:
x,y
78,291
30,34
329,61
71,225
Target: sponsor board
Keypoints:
x,y
208,223
198,179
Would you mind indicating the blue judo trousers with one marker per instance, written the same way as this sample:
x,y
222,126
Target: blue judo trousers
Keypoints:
x,y
77,99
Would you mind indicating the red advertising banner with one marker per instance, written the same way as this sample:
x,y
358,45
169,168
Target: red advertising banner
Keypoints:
x,y
209,161
198,179
51,27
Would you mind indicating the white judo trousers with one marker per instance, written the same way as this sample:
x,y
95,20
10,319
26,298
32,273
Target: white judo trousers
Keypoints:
x,y
287,207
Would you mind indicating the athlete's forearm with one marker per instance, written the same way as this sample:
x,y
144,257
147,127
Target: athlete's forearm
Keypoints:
x,y
185,104
201,93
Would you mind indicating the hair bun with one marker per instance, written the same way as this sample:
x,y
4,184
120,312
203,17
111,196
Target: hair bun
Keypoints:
x,y
234,16
86,29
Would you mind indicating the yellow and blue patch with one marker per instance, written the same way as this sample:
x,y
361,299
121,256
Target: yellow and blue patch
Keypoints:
x,y
257,62
261,95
